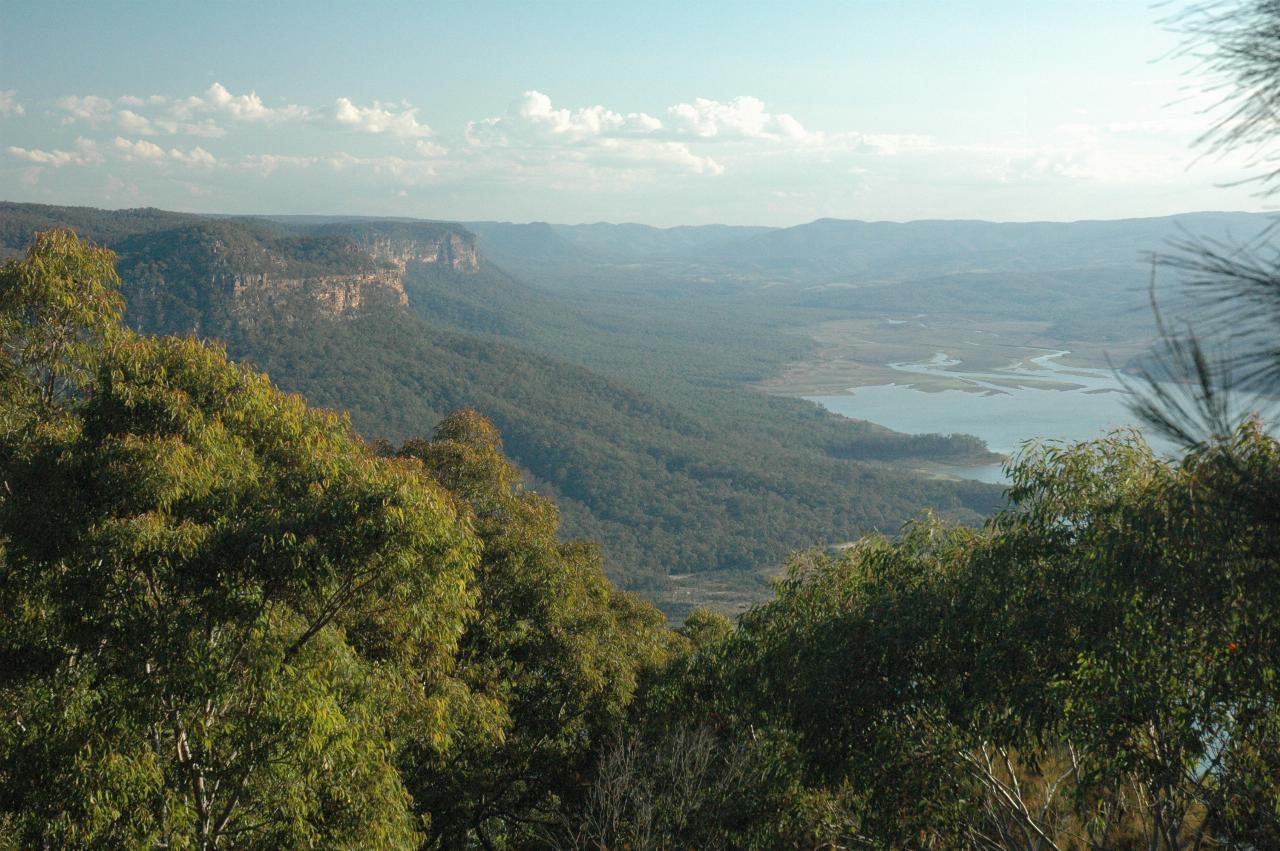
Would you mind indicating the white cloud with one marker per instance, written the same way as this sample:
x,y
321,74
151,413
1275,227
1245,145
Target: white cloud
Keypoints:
x,y
89,108
591,136
883,144
133,100
532,118
86,153
266,164
196,156
406,172
132,122
9,103
250,108
139,150
144,151
741,118
158,115
545,147
377,119
140,125
115,186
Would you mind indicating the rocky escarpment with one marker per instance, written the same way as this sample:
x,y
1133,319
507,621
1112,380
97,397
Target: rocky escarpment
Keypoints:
x,y
262,295
402,243
188,274
211,277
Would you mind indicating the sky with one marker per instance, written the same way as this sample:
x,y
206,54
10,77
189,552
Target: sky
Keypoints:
x,y
657,112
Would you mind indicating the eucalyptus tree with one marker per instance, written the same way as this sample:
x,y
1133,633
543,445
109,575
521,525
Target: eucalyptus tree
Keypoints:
x,y
57,305
554,651
1097,667
222,611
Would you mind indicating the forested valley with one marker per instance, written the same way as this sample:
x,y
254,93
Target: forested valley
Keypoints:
x,y
233,622
354,533
670,462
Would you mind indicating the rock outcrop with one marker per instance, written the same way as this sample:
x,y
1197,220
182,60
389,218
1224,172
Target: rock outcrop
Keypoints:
x,y
254,296
402,243
188,274
455,250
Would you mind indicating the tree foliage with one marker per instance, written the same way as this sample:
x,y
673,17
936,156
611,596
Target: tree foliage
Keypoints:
x,y
223,608
57,304
553,645
1097,666
230,623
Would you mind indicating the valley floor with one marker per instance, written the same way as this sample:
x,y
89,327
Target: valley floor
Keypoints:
x,y
861,352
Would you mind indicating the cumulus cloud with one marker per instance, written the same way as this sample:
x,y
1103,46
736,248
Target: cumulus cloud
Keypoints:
x,y
430,149
89,108
532,118
9,103
681,140
168,115
158,115
144,151
884,144
139,150
591,136
378,119
86,153
267,164
219,100
134,100
196,156
404,171
141,125
741,118
250,107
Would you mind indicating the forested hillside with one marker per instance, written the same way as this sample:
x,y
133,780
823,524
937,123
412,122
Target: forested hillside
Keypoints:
x,y
229,622
653,449
365,533
1086,281
234,623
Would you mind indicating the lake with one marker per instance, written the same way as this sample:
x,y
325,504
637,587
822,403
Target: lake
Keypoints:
x,y
1037,398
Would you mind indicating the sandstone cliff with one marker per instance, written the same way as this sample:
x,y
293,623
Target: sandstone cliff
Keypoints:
x,y
188,274
402,243
260,295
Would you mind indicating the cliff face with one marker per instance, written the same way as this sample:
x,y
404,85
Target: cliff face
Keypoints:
x,y
263,295
402,243
454,250
187,274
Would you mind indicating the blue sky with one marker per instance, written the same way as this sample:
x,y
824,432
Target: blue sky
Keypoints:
x,y
658,112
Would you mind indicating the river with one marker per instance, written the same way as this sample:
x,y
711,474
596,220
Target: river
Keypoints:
x,y
1039,398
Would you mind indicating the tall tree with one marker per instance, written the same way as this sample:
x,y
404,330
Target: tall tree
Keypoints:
x,y
554,647
221,609
57,305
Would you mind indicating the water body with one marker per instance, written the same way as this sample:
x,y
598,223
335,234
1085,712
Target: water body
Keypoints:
x,y
1004,407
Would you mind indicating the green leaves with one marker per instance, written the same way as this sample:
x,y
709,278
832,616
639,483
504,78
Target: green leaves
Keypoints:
x,y
1116,628
57,305
554,650
232,624
225,610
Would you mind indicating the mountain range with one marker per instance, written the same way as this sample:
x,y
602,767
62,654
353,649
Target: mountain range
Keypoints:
x,y
641,428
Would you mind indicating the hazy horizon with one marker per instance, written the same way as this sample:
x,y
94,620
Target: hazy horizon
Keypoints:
x,y
623,223
579,112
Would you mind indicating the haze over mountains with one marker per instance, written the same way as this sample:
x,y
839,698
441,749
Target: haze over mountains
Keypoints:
x,y
834,251
885,459
619,372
